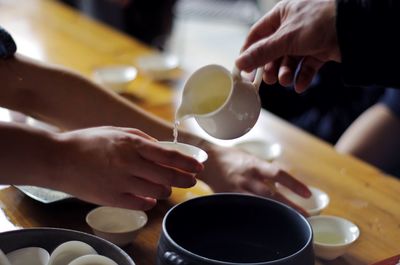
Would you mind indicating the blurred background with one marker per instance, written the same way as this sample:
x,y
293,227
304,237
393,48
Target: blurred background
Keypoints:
x,y
199,32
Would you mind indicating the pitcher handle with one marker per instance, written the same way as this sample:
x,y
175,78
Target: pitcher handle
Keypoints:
x,y
236,74
257,80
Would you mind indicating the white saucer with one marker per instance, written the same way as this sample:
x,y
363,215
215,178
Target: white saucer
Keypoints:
x,y
158,66
261,148
115,77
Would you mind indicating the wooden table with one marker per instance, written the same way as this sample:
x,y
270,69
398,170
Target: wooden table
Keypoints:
x,y
51,32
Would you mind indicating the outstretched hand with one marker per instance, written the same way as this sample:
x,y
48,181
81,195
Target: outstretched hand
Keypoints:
x,y
292,42
232,170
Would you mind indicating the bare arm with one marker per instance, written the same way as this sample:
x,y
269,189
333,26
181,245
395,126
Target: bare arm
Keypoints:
x,y
105,165
70,101
373,137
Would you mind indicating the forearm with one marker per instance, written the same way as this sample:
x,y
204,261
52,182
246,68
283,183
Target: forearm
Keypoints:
x,y
27,155
373,137
67,100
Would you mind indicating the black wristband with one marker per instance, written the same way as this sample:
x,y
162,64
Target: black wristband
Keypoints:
x,y
7,44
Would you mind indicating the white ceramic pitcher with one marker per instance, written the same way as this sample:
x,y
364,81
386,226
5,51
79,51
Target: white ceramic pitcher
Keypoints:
x,y
224,104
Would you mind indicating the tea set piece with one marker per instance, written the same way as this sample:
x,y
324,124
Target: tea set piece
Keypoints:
x,y
117,225
115,77
3,259
332,235
261,148
314,205
29,255
159,66
93,259
186,149
50,238
68,251
224,104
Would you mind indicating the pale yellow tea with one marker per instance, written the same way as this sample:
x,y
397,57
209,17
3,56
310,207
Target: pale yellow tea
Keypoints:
x,y
328,238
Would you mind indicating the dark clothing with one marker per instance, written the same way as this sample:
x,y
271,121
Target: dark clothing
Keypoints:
x,y
326,109
147,20
391,99
367,34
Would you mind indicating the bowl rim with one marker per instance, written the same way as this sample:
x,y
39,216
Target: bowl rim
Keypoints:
x,y
342,220
93,211
107,243
187,252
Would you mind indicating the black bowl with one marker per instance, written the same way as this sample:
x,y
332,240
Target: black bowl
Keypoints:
x,y
234,229
50,238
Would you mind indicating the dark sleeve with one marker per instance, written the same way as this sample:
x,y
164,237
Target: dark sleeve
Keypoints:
x,y
368,35
391,99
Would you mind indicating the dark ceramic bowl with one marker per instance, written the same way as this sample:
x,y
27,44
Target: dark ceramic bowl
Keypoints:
x,y
234,229
50,238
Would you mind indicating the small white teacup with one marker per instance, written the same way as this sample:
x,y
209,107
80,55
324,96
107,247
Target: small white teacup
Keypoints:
x,y
223,104
68,251
29,255
332,235
93,259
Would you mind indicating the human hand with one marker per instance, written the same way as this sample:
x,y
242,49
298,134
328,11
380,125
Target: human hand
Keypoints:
x,y
120,167
231,170
295,33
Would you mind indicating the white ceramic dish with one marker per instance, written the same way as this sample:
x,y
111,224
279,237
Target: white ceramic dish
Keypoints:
x,y
3,259
117,225
189,150
44,195
116,77
93,259
261,148
29,255
68,251
51,238
158,66
332,235
318,201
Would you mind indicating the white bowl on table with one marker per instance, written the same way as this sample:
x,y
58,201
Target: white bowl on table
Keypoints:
x,y
159,66
115,77
117,225
332,235
314,205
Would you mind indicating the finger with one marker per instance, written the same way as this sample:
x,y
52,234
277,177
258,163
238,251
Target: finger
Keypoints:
x,y
292,183
287,70
257,188
142,187
163,175
264,27
308,69
271,72
279,197
136,132
130,201
171,158
269,172
262,52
